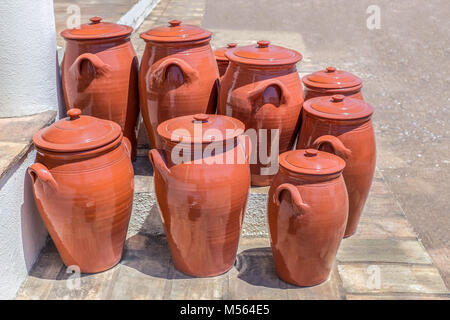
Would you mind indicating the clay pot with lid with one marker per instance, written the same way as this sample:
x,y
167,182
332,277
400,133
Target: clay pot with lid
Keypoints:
x,y
332,81
202,197
222,60
343,125
262,89
307,214
178,75
83,186
100,74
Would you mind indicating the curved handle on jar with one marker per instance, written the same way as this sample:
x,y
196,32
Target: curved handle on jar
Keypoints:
x,y
285,98
339,148
299,206
100,67
159,72
158,162
38,170
127,145
246,143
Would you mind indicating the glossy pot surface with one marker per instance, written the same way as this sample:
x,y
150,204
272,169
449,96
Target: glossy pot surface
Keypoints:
x,y
343,125
100,74
178,75
332,81
307,214
262,89
84,197
222,60
202,199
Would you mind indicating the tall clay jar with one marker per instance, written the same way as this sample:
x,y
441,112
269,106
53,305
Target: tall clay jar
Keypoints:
x,y
222,60
83,186
202,178
307,213
332,81
262,89
343,125
178,75
100,74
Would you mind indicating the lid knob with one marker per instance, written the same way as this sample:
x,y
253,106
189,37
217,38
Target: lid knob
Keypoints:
x,y
231,45
331,69
174,23
337,98
74,113
201,117
95,19
311,152
263,43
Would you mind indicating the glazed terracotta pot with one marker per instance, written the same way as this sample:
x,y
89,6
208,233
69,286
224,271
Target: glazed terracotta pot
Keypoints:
x,y
202,198
100,74
307,213
222,60
332,81
83,186
343,125
178,75
262,89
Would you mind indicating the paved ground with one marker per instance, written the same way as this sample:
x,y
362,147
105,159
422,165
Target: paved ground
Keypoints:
x,y
406,73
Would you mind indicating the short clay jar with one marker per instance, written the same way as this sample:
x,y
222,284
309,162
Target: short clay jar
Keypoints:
x,y
100,74
222,60
343,125
202,197
262,89
178,75
83,186
332,81
307,214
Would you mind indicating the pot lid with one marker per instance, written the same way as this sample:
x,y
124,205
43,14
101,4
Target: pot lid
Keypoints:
x,y
311,161
77,133
338,107
200,128
263,53
220,52
175,31
331,78
97,29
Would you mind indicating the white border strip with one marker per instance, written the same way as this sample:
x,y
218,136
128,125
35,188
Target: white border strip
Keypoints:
x,y
137,14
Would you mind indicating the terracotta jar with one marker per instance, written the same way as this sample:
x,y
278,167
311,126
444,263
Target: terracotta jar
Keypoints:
x,y
222,60
100,74
262,89
343,125
83,187
178,75
202,197
307,213
332,81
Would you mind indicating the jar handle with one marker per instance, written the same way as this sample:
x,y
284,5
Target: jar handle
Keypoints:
x,y
338,147
39,171
157,74
100,67
285,98
158,162
299,206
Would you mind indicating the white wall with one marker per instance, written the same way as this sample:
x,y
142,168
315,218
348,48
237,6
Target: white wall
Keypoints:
x,y
22,232
28,57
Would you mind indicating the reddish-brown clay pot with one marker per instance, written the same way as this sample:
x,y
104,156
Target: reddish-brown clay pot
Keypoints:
x,y
100,74
343,125
262,89
202,200
83,187
178,75
307,213
332,81
222,60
